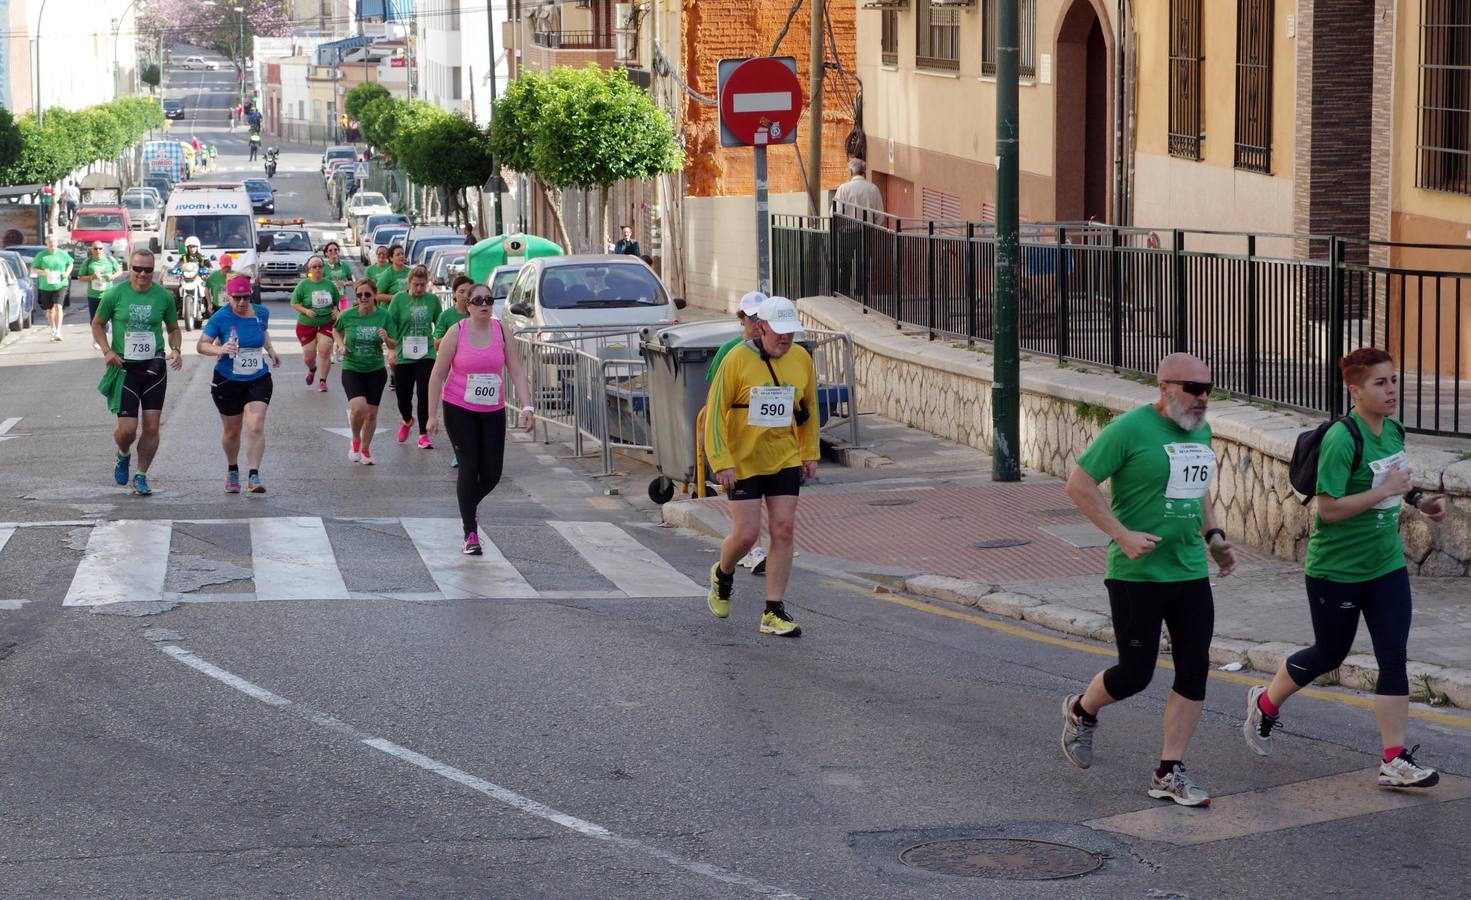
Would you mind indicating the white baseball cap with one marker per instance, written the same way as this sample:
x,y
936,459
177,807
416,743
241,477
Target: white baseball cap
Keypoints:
x,y
752,302
780,315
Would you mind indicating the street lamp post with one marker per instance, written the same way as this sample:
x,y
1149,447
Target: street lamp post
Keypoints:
x,y
117,26
40,101
240,12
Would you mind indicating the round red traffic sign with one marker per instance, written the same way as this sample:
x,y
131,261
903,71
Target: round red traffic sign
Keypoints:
x,y
761,101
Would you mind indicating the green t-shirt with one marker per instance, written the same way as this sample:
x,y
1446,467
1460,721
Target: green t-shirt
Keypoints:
x,y
391,280
341,273
376,271
53,269
1160,476
720,355
215,284
447,319
414,320
1368,545
135,317
364,347
103,267
319,296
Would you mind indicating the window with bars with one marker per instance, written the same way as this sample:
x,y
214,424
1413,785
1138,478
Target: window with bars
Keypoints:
x,y
1027,30
1444,146
889,37
937,36
1185,66
1254,85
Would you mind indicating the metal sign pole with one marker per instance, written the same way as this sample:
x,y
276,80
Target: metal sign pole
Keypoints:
x,y
763,230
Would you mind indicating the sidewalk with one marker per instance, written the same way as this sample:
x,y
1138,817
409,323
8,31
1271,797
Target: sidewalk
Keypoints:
x,y
923,517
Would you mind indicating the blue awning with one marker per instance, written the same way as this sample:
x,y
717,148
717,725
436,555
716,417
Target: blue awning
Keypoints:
x,y
332,53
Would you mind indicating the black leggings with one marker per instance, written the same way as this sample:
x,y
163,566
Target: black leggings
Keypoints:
x,y
479,439
1139,608
1335,608
410,379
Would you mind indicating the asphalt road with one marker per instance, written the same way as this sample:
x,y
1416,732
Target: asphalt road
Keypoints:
x,y
205,695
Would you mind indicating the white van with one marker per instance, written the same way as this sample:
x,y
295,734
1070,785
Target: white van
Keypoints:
x,y
219,214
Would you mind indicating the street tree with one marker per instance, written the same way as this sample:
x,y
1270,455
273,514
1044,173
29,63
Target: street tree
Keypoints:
x,y
10,141
359,97
587,128
445,151
152,76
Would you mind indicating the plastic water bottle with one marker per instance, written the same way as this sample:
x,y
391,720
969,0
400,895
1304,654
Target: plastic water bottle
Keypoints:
x,y
234,340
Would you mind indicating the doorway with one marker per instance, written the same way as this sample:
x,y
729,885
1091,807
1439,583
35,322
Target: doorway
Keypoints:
x,y
1084,150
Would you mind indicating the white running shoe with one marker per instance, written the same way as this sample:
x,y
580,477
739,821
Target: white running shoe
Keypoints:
x,y
1077,735
1177,786
1257,729
754,558
1404,772
367,458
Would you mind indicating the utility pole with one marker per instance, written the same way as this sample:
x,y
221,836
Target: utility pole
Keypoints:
x,y
814,131
495,172
1006,375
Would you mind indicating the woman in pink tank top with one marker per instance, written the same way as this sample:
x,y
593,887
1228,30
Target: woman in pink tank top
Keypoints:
x,y
470,376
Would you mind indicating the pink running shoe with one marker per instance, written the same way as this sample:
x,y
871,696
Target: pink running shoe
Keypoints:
x,y
311,375
403,431
367,458
322,386
356,453
424,442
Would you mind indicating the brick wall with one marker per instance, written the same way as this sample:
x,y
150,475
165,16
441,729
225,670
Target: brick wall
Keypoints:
x,y
721,29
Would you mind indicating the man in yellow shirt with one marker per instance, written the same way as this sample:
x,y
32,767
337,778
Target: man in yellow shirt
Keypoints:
x,y
761,430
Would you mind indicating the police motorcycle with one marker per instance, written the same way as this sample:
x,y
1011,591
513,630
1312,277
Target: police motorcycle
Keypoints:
x,y
192,269
272,154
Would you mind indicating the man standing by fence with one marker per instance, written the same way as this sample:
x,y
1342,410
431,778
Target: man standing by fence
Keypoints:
x,y
852,198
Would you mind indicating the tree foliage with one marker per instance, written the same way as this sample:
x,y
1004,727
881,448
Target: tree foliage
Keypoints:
x,y
10,140
71,139
151,75
359,97
445,150
173,21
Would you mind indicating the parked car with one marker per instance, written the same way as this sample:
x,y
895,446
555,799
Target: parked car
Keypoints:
x,y
362,205
199,62
143,211
383,236
146,192
173,109
443,264
566,291
19,268
419,232
426,245
262,195
160,184
102,223
335,152
13,301
501,280
371,224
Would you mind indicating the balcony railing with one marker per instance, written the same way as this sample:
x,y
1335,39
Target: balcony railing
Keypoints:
x,y
572,40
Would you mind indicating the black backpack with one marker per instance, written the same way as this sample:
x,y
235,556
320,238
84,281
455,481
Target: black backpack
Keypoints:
x,y
1302,469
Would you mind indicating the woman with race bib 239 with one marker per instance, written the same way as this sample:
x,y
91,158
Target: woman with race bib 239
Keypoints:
x,y
239,336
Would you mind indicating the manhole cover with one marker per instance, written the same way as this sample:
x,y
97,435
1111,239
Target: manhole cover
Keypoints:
x,y
1001,543
893,501
1004,858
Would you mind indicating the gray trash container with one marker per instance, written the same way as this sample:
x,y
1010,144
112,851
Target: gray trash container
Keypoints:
x,y
678,357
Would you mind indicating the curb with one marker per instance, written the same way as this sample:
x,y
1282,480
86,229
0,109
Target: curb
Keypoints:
x,y
1450,686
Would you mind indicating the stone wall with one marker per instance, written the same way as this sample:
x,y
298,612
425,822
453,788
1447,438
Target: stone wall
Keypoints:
x,y
945,389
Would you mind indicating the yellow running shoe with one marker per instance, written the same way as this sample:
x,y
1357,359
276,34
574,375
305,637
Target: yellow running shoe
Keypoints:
x,y
777,622
719,605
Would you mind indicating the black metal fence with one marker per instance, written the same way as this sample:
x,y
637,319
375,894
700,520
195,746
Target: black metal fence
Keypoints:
x,y
1271,313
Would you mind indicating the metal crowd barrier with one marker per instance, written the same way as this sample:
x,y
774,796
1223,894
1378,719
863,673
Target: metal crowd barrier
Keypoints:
x,y
832,356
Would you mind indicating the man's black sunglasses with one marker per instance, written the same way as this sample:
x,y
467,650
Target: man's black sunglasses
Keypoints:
x,y
143,270
1193,388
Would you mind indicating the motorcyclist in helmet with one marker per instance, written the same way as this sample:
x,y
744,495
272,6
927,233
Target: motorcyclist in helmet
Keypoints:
x,y
193,253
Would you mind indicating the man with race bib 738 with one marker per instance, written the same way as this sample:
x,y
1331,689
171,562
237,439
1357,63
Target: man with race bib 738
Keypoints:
x,y
1159,463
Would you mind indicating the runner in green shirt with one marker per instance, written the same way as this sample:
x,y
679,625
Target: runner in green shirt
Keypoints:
x,y
99,270
215,283
360,334
315,301
1356,563
414,313
337,271
1159,464
380,265
460,291
53,271
747,314
139,312
393,279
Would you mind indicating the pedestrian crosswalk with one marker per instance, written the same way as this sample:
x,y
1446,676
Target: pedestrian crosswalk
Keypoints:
x,y
310,558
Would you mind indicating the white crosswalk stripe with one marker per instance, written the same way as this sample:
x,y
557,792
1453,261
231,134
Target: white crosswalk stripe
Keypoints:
x,y
293,558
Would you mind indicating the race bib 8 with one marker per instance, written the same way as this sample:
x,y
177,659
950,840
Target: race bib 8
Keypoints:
x,y
249,362
1381,468
483,389
415,347
139,345
771,406
321,299
1192,466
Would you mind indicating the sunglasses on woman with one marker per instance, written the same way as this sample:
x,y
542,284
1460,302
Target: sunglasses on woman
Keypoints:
x,y
240,296
481,300
1193,388
366,295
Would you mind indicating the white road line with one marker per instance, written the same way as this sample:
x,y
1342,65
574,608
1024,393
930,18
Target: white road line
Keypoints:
x,y
5,535
9,424
633,568
461,577
124,561
293,560
218,674
493,791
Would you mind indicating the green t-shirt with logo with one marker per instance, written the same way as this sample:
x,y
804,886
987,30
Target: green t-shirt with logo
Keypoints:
x,y
51,269
720,355
339,274
137,319
447,320
360,339
215,285
414,318
1160,476
391,280
319,296
1368,545
376,271
103,267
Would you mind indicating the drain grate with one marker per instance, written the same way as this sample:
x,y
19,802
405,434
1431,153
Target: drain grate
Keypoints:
x,y
1000,543
1009,859
892,501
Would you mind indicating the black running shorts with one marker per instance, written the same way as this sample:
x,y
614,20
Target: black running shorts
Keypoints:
x,y
785,483
144,384
368,385
231,396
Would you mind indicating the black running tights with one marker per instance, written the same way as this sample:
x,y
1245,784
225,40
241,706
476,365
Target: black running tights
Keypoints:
x,y
479,439
1335,608
412,379
1139,608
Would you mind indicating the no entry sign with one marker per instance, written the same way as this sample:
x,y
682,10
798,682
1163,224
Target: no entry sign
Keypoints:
x,y
760,101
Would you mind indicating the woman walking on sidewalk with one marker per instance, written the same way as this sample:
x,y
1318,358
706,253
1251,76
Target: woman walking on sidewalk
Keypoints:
x,y
469,375
1356,563
362,333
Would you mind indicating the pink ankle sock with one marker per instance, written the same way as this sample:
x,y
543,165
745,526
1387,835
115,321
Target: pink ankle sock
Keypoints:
x,y
1267,706
1391,752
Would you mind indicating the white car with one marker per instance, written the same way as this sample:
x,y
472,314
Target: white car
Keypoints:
x,y
12,300
362,205
199,62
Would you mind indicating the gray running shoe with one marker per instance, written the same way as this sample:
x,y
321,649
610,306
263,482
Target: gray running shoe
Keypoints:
x,y
1077,735
1403,771
1177,786
1258,725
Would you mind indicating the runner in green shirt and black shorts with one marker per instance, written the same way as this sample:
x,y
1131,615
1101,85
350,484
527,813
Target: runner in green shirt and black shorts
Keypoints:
x,y
361,334
1356,564
99,270
390,281
414,312
315,301
53,271
1159,462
